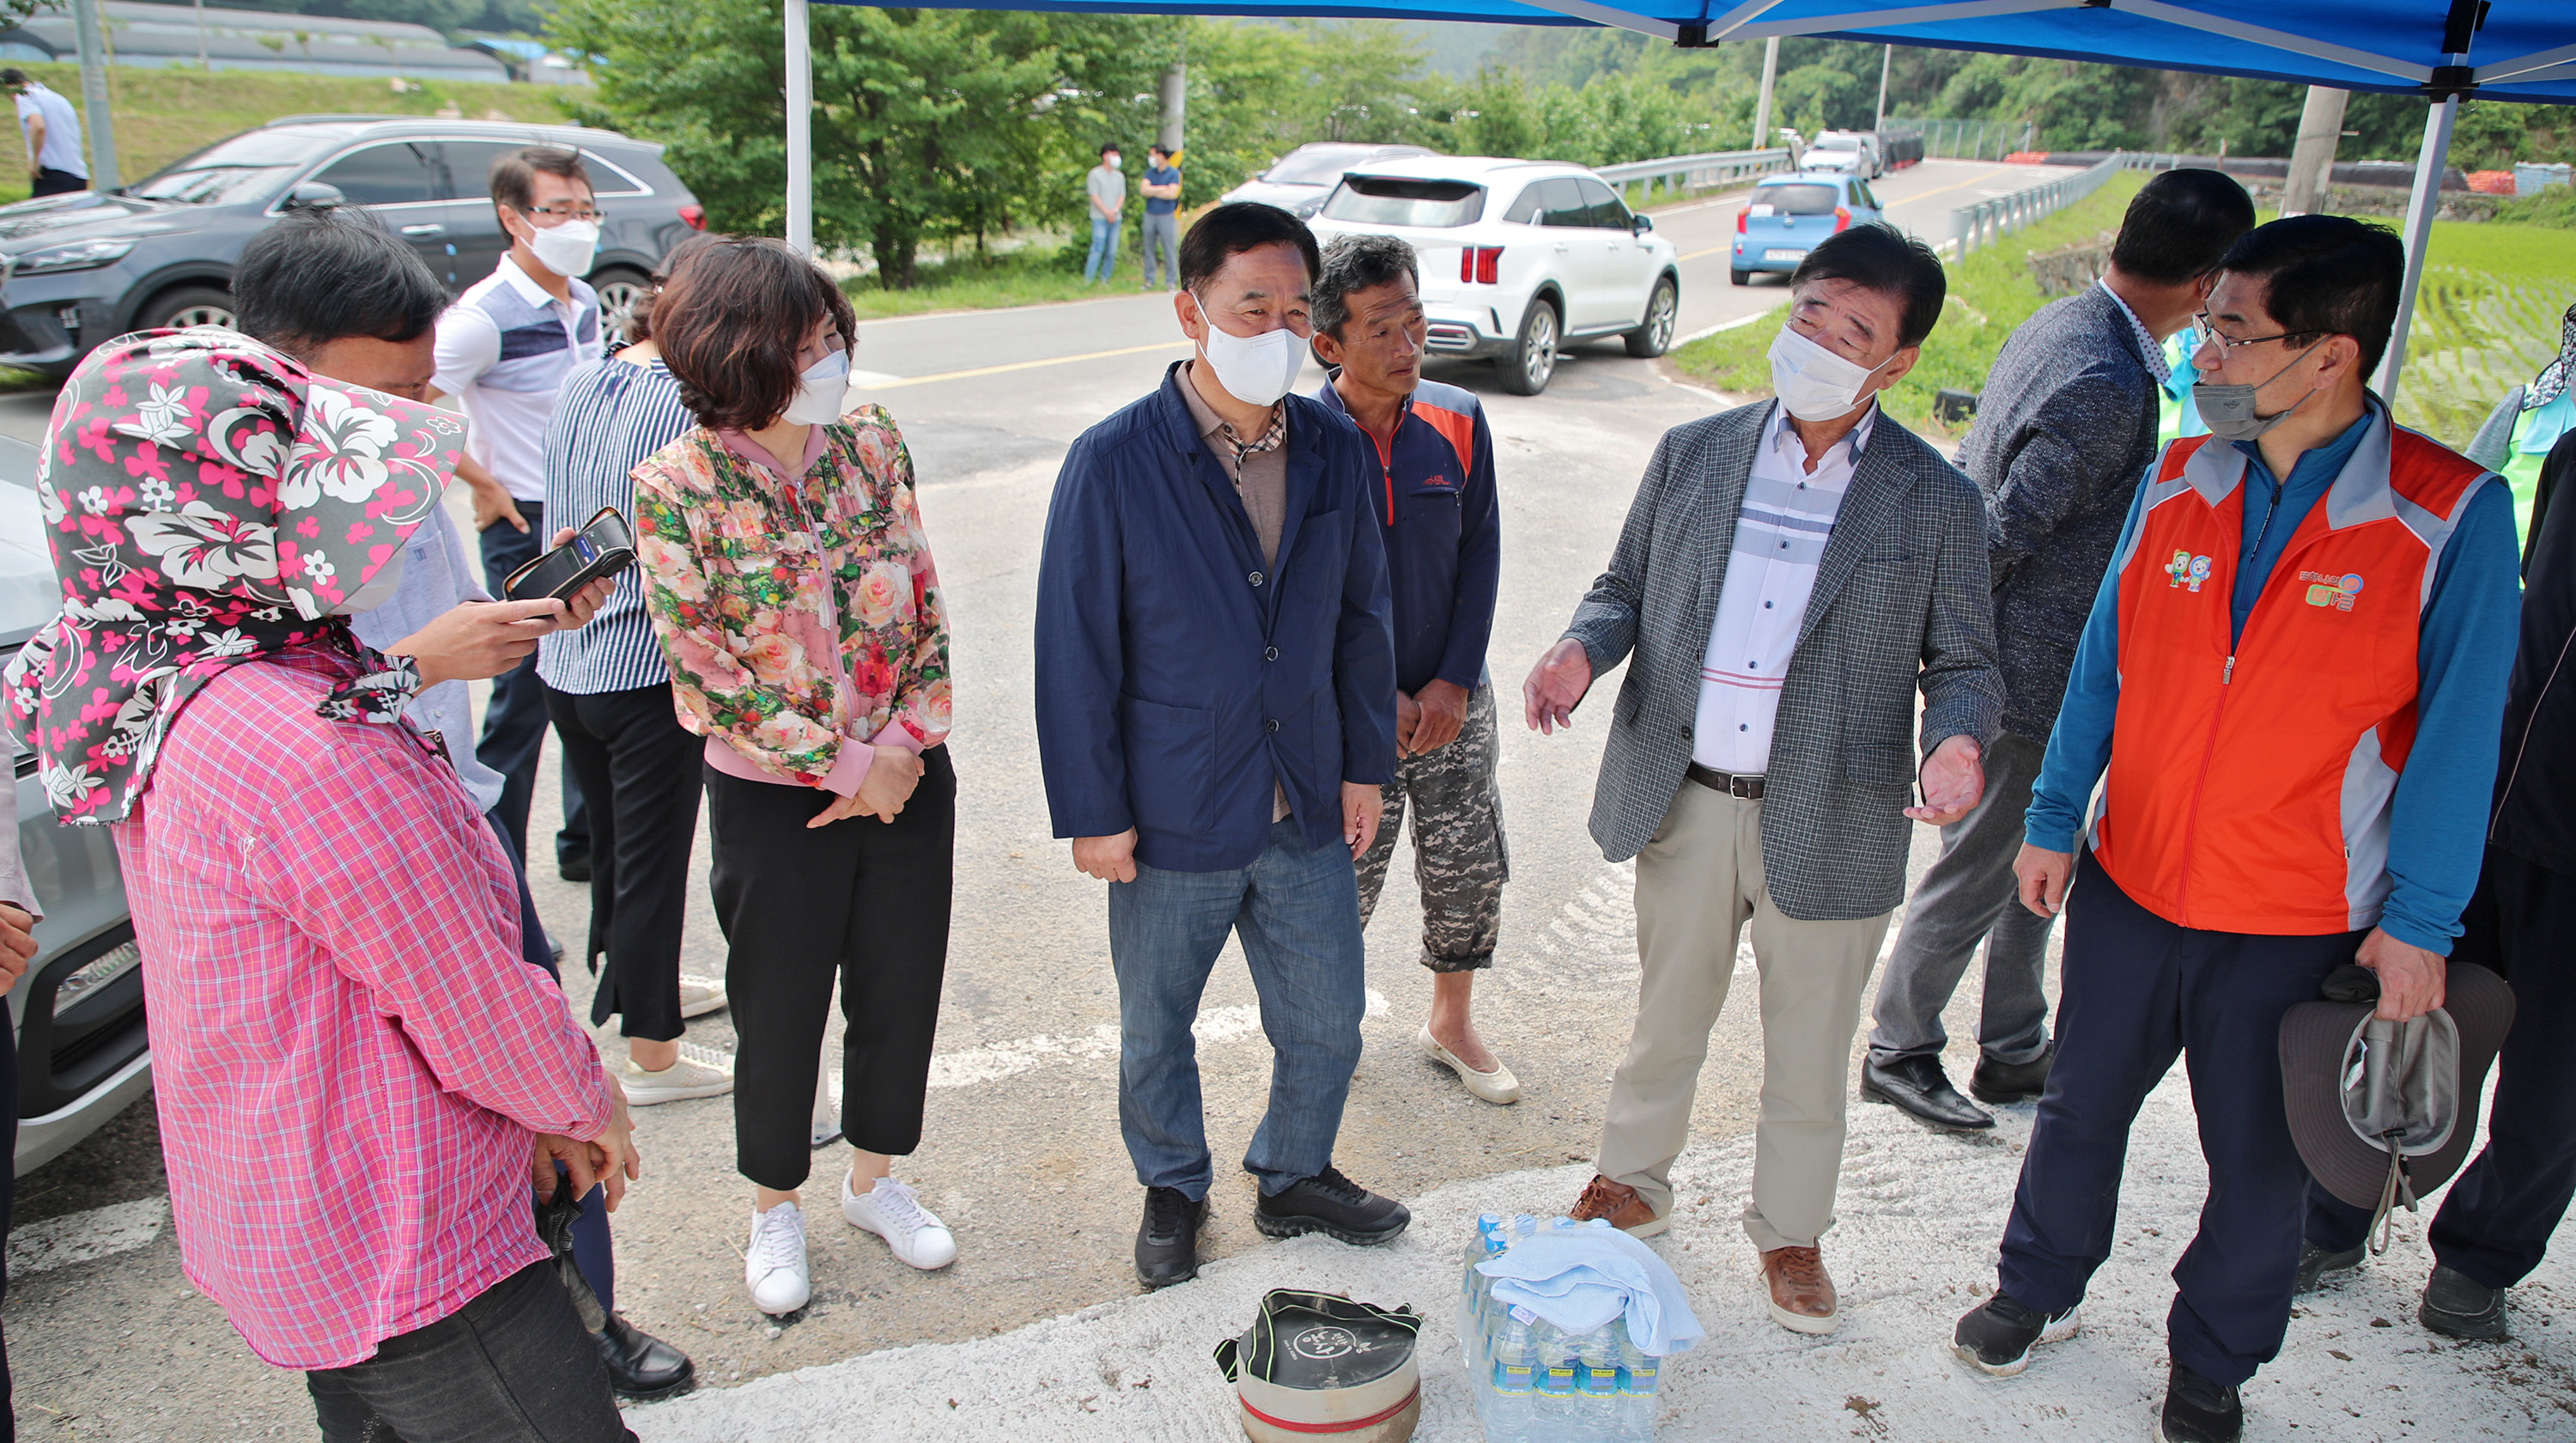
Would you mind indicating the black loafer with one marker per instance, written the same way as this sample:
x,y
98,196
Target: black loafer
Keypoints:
x,y
2460,1306
2315,1262
2198,1410
1918,1085
1333,1205
573,869
1997,1335
1167,1241
641,1366
2004,1083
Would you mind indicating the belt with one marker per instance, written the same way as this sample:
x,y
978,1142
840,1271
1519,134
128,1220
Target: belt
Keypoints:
x,y
1749,788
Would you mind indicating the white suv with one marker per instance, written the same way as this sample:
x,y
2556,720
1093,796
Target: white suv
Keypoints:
x,y
1517,257
1852,152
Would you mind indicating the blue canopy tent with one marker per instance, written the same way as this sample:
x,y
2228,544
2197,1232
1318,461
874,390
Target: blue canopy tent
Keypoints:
x,y
2443,50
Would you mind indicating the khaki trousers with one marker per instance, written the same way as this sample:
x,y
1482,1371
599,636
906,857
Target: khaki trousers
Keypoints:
x,y
1698,882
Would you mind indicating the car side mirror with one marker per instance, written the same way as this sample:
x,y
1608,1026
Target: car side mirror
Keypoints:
x,y
314,195
1640,224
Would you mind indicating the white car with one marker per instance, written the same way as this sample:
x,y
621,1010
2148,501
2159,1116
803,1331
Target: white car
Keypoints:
x,y
1849,152
1518,257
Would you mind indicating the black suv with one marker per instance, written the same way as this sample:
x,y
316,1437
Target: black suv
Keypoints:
x,y
78,269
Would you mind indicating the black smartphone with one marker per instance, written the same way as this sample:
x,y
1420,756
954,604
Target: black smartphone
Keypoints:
x,y
603,547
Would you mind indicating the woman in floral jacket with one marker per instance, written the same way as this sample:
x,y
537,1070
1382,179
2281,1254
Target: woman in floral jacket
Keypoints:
x,y
791,587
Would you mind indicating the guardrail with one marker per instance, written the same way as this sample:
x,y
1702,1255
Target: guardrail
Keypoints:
x,y
1695,172
1988,221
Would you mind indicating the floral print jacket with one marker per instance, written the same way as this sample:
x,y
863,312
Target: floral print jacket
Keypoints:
x,y
797,618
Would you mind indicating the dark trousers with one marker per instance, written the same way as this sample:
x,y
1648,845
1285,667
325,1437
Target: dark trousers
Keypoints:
x,y
511,1366
51,181
861,900
2136,991
2495,1223
592,1250
8,1198
514,723
628,749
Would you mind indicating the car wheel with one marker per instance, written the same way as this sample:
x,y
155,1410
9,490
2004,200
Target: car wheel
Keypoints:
x,y
187,306
619,289
1656,336
1741,278
1532,359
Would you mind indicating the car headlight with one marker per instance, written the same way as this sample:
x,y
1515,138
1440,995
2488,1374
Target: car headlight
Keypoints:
x,y
76,256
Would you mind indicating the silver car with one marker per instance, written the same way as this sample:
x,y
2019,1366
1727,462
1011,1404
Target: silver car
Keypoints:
x,y
1298,181
78,1010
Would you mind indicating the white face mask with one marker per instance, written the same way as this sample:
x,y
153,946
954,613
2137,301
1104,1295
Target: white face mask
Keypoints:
x,y
1812,382
1113,162
566,249
1256,370
820,391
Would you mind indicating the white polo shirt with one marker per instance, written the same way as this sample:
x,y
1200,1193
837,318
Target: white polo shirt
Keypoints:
x,y
62,129
1780,534
504,349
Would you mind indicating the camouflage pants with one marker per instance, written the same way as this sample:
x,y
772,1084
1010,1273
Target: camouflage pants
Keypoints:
x,y
1458,854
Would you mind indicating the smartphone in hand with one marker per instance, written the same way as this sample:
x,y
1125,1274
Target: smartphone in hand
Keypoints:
x,y
604,546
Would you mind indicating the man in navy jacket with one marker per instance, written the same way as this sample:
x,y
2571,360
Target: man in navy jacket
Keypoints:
x,y
1216,714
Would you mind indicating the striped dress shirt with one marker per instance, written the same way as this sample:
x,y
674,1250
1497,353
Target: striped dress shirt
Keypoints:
x,y
612,416
1780,534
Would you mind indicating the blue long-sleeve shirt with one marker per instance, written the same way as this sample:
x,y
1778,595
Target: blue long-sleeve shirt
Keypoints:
x,y
2464,657
1443,530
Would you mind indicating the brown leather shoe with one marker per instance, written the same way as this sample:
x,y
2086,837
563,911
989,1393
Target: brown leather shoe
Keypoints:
x,y
1618,1202
1802,1295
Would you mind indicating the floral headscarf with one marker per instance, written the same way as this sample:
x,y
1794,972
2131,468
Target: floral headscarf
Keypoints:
x,y
208,502
2553,378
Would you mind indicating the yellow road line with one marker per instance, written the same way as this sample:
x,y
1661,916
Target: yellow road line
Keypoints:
x,y
1021,366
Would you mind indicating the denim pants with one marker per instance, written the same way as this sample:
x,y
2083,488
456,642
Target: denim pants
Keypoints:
x,y
1297,910
1969,896
511,1366
1104,249
514,723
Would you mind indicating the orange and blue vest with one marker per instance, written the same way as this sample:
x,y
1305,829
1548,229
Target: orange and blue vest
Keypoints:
x,y
2251,778
1438,515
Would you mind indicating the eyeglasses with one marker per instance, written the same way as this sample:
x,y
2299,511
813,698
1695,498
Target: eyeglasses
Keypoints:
x,y
567,212
2211,335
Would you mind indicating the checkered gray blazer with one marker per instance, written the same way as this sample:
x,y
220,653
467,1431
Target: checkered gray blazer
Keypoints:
x,y
1901,599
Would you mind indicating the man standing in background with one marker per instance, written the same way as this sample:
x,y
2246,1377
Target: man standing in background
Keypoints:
x,y
53,134
2063,436
1105,191
1162,227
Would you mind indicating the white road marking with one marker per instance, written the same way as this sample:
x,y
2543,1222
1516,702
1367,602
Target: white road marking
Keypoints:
x,y
1216,1025
86,1236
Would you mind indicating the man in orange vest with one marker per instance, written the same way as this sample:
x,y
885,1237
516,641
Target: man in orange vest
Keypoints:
x,y
2298,599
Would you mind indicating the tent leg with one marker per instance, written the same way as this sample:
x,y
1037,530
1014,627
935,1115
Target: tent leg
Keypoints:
x,y
800,129
2420,205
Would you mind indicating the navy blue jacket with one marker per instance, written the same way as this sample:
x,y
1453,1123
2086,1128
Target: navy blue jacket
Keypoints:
x,y
1443,532
1178,677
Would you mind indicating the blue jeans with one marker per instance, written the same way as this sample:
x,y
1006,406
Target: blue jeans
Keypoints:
x,y
1104,249
1298,913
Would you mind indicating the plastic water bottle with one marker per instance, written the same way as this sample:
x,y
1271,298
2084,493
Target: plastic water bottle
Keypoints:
x,y
1638,1376
1507,1390
1556,1411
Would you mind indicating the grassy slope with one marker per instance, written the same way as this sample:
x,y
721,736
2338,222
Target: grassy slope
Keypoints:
x,y
162,115
2486,319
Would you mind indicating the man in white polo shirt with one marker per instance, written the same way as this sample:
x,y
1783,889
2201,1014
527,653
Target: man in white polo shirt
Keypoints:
x,y
504,349
53,135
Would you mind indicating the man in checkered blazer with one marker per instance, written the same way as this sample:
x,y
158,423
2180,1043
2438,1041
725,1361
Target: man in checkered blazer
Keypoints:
x,y
1790,573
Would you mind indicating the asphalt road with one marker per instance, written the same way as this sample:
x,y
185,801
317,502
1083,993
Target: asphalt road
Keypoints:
x,y
1021,1153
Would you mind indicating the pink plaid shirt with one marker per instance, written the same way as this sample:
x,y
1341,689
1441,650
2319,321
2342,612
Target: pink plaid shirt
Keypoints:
x,y
350,1055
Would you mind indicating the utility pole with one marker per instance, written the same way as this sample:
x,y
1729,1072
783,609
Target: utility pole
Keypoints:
x,y
102,126
1886,62
2312,161
201,37
1761,107
800,127
1176,90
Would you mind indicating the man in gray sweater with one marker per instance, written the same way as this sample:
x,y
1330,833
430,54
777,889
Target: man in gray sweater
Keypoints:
x,y
2064,433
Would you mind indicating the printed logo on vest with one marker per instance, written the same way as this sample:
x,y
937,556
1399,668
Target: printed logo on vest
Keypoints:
x,y
2187,570
2335,591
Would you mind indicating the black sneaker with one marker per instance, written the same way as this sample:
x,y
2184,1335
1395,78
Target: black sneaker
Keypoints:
x,y
2001,1083
1996,1337
1333,1205
2199,1411
2462,1307
2315,1262
1167,1241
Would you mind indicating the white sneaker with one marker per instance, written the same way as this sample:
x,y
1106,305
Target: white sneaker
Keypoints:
x,y
774,1265
698,1072
892,1212
701,995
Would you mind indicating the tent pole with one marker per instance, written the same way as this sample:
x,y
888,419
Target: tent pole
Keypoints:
x,y
800,128
2420,205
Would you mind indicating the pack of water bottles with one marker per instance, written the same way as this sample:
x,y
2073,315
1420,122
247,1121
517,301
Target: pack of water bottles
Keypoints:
x,y
1534,1382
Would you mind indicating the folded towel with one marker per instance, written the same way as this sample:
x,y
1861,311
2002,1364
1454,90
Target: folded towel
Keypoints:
x,y
1579,1278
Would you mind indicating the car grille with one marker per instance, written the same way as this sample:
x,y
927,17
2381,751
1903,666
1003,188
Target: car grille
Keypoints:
x,y
1449,336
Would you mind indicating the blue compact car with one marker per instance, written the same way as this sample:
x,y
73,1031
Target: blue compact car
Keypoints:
x,y
1787,214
